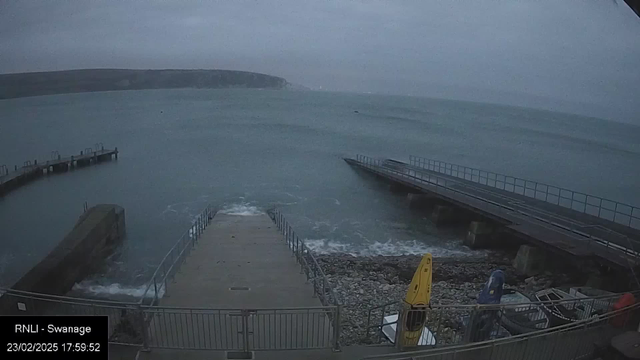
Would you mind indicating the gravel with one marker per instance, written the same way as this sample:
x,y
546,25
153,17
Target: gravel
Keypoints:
x,y
362,283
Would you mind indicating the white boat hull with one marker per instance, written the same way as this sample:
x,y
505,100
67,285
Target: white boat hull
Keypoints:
x,y
389,330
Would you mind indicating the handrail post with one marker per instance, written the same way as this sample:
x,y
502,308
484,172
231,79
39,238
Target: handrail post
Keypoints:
x,y
336,329
143,328
245,330
399,328
155,291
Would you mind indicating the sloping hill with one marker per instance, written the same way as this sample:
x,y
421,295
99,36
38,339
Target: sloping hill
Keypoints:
x,y
75,81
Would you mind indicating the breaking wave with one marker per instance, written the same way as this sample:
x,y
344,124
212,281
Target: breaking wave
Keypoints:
x,y
242,209
116,290
389,248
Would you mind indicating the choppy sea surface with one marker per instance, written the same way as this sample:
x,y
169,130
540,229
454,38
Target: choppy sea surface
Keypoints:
x,y
245,151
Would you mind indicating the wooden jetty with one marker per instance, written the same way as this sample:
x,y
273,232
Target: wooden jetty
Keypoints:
x,y
10,180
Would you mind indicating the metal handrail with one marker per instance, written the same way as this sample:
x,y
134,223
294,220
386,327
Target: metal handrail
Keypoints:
x,y
538,191
55,158
578,229
64,299
312,270
456,349
302,252
204,308
445,183
394,306
174,258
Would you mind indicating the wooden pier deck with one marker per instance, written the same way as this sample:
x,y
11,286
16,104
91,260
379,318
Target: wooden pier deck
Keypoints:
x,y
542,223
10,180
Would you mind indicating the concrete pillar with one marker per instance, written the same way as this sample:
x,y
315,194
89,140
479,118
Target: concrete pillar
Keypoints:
x,y
398,188
530,260
419,201
480,235
442,214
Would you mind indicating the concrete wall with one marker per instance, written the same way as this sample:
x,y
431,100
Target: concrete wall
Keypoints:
x,y
530,260
98,231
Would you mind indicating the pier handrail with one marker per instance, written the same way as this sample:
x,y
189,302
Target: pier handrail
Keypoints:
x,y
573,200
376,314
176,255
628,248
30,167
307,261
440,182
310,267
65,299
455,350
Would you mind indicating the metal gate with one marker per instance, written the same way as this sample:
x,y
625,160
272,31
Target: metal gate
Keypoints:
x,y
241,329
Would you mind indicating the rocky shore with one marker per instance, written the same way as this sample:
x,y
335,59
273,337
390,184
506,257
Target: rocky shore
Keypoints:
x,y
363,283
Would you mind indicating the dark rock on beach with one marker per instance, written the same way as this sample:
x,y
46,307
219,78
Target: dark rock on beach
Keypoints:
x,y
363,283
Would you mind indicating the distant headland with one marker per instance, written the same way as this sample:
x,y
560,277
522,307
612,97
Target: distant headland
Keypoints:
x,y
87,80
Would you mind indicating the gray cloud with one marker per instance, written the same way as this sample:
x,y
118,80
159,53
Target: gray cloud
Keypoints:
x,y
572,55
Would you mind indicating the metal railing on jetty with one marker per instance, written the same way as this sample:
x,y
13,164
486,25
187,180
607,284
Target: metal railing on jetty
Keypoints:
x,y
577,340
308,263
171,262
611,210
147,324
29,171
228,329
126,319
445,185
28,166
460,324
322,288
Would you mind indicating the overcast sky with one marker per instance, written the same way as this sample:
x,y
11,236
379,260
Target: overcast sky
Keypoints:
x,y
580,53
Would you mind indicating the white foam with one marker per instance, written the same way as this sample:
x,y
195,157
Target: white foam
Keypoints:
x,y
116,289
324,246
242,209
389,248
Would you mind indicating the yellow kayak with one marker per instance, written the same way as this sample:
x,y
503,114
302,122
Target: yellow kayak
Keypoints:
x,y
416,302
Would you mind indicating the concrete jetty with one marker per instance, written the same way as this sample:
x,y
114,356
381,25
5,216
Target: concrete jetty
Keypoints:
x,y
240,290
555,219
240,262
11,179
